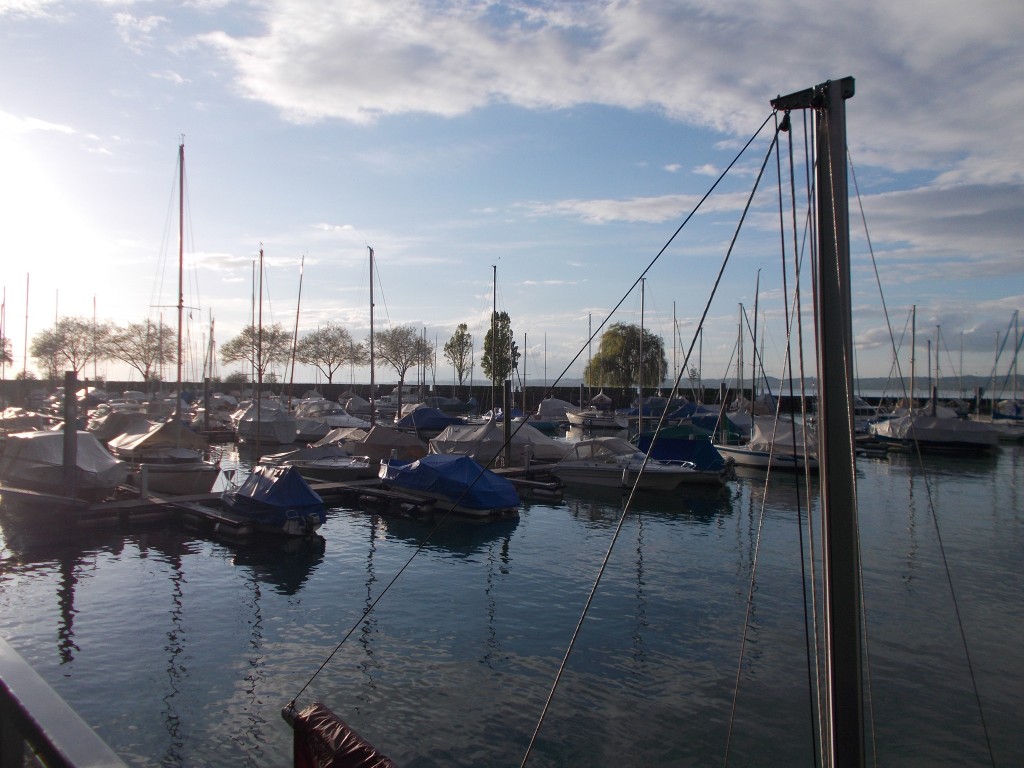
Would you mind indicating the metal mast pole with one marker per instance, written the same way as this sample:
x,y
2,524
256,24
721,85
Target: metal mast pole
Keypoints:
x,y
373,397
841,552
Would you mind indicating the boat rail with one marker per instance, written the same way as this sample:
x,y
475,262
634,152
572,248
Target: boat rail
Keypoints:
x,y
34,720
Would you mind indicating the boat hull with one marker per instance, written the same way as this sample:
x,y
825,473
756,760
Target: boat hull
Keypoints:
x,y
747,457
174,479
602,477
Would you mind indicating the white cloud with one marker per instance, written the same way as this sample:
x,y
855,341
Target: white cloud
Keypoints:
x,y
932,87
28,9
137,31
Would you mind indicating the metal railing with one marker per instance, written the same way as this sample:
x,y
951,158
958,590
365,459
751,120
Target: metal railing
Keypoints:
x,y
35,721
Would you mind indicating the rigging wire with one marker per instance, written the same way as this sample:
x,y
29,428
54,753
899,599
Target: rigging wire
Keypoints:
x,y
618,528
935,523
809,622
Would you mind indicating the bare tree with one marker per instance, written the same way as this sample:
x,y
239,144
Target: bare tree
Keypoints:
x,y
144,346
72,342
403,347
261,350
330,347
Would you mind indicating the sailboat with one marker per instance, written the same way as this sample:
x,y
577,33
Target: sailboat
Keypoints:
x,y
933,428
169,457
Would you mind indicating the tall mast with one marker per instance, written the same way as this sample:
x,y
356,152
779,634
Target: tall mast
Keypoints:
x,y
259,360
640,376
838,486
24,358
494,333
295,335
913,353
181,261
753,345
373,419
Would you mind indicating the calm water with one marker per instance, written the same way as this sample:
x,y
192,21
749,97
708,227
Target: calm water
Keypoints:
x,y
180,650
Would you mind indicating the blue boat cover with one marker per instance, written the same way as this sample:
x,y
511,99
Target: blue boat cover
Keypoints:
x,y
456,478
697,449
427,418
270,494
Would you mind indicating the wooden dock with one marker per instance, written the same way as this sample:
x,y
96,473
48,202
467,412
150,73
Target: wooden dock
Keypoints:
x,y
205,511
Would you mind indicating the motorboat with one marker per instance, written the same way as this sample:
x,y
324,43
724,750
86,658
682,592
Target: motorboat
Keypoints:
x,y
775,444
325,463
267,423
937,430
686,442
34,461
456,484
596,418
486,442
277,500
613,462
166,458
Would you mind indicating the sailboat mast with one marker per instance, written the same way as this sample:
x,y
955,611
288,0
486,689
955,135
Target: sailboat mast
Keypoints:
x,y
753,345
295,335
494,333
841,551
640,375
373,396
181,258
913,353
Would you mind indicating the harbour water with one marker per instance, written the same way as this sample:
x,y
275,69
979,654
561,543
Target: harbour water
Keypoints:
x,y
181,651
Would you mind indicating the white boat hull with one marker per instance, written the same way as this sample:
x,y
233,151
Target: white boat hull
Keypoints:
x,y
747,457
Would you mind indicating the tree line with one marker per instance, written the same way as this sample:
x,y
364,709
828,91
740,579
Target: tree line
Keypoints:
x,y
147,347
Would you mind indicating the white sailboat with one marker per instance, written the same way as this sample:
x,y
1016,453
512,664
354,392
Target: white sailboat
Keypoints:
x,y
170,458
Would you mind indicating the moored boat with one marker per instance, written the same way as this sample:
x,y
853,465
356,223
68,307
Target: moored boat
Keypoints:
x,y
613,462
166,458
34,461
456,483
936,432
775,444
277,500
327,463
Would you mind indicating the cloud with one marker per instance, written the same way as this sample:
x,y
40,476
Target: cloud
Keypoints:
x,y
932,87
12,124
137,31
28,9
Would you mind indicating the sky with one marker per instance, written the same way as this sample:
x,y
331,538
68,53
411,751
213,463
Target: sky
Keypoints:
x,y
534,156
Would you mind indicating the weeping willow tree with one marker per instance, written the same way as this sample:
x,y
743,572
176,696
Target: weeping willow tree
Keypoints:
x,y
617,362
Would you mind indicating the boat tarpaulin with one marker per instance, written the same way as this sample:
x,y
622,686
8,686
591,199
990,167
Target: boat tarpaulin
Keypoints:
x,y
455,478
324,740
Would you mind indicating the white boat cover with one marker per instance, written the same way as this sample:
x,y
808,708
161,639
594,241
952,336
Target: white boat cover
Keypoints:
x,y
484,442
782,433
160,438
553,409
36,460
936,430
380,441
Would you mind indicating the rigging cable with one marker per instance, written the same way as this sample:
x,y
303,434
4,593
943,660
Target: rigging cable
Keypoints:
x,y
675,388
938,534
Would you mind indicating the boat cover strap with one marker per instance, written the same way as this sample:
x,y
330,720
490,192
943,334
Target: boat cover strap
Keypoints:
x,y
324,740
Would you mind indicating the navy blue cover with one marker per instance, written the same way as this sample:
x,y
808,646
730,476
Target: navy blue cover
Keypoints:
x,y
269,494
699,450
455,478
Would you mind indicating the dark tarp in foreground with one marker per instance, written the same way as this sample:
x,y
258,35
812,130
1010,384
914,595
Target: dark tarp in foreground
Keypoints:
x,y
324,740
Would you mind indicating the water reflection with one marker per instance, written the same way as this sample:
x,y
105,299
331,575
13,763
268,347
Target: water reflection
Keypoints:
x,y
284,563
697,503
